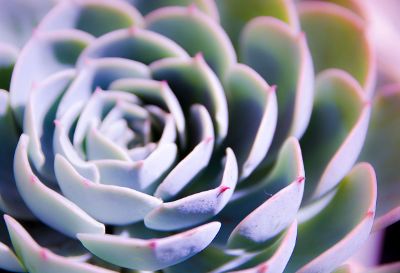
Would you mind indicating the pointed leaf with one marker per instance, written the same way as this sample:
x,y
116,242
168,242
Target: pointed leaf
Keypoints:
x,y
40,260
153,254
318,18
346,223
253,108
195,161
269,219
281,56
275,258
138,175
196,208
179,24
105,203
195,75
64,215
337,130
39,114
62,144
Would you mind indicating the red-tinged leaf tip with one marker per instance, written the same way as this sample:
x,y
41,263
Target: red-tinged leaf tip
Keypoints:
x,y
199,57
98,90
301,36
87,61
57,122
35,32
367,103
152,244
222,189
263,268
34,85
164,84
300,179
272,88
370,214
86,182
208,139
192,8
139,163
132,30
33,179
43,254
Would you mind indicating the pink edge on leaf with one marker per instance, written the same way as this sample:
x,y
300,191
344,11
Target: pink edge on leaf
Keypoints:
x,y
356,237
359,129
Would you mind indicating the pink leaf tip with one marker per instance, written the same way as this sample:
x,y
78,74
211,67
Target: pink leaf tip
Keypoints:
x,y
34,85
57,122
199,57
152,244
208,139
222,189
367,103
43,254
132,30
33,179
192,8
98,90
300,179
370,213
272,88
263,269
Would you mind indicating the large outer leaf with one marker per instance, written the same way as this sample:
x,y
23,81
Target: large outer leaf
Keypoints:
x,y
332,236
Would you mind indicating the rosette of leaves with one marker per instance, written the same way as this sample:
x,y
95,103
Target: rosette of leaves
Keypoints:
x,y
188,136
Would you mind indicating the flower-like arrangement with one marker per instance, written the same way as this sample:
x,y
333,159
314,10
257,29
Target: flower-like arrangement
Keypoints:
x,y
192,136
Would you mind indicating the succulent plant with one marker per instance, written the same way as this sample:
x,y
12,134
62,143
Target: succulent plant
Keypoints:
x,y
193,136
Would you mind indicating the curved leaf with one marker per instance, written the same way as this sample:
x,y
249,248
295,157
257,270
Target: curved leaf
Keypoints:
x,y
37,259
195,161
269,219
10,199
57,50
153,92
139,175
153,254
195,75
253,111
356,57
337,130
179,24
64,215
199,207
281,56
134,44
96,17
106,203
346,222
